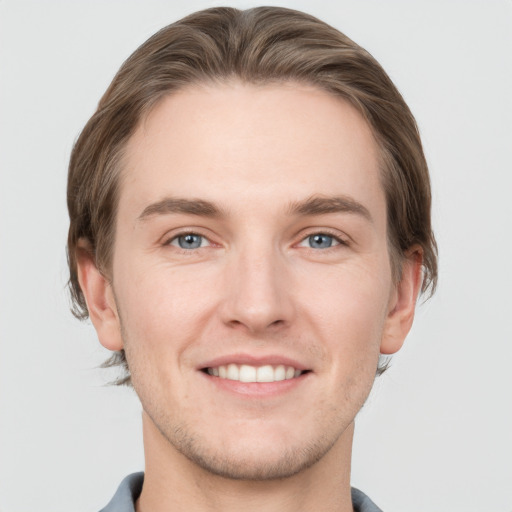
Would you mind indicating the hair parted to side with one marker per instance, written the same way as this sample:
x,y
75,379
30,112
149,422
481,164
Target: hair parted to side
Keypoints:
x,y
257,46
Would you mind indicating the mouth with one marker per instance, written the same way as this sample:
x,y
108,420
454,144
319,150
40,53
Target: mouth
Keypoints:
x,y
249,373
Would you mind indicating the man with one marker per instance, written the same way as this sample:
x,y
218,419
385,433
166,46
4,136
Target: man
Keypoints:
x,y
250,230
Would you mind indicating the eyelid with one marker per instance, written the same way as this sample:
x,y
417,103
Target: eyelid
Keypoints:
x,y
176,237
340,238
174,234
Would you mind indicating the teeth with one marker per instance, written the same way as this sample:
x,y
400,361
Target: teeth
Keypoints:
x,y
279,373
233,372
265,374
247,373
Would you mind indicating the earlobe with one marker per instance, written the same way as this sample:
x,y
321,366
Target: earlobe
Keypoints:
x,y
100,299
403,302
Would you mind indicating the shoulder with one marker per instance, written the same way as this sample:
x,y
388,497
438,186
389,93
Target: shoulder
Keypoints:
x,y
126,495
362,503
130,488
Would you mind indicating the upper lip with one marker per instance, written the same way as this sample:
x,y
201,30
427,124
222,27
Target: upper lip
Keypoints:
x,y
252,360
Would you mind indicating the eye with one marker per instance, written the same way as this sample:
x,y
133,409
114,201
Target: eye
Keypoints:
x,y
320,241
189,241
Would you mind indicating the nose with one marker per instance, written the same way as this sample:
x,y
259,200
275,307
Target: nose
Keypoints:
x,y
257,294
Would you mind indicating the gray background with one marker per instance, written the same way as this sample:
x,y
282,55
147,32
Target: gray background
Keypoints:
x,y
436,434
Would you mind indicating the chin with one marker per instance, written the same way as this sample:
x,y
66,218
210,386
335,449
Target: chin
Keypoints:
x,y
247,460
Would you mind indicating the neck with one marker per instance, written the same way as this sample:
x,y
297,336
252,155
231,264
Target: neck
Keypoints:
x,y
173,482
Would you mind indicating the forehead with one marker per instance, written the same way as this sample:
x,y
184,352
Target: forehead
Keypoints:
x,y
237,142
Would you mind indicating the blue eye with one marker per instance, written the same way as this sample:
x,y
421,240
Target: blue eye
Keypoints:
x,y
321,241
189,241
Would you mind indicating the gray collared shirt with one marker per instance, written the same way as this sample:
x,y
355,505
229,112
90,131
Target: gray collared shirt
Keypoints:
x,y
131,487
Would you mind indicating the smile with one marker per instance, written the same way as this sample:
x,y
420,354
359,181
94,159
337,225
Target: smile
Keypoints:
x,y
248,373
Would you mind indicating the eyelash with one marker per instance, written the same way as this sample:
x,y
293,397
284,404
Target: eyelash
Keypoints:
x,y
326,233
336,238
169,242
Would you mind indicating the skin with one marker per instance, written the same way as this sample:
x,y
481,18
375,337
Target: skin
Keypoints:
x,y
269,160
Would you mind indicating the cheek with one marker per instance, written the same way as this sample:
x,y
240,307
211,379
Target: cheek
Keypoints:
x,y
161,305
349,319
353,301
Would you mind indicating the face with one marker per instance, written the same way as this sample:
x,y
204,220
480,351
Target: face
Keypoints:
x,y
251,281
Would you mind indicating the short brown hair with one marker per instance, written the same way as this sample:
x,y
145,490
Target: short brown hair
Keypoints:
x,y
258,46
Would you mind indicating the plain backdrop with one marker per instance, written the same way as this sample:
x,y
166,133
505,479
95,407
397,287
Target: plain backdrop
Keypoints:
x,y
436,433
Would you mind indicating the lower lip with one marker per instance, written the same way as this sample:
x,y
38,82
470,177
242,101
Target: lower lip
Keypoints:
x,y
257,389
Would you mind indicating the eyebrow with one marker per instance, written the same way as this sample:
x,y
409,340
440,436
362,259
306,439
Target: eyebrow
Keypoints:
x,y
319,205
315,205
178,205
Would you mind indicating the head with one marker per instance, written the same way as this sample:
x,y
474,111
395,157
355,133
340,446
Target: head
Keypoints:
x,y
217,61
266,45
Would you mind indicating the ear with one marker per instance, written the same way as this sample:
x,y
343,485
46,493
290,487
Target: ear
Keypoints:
x,y
99,297
403,302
